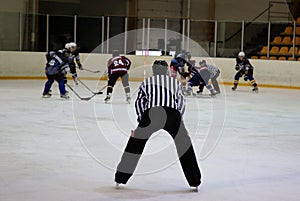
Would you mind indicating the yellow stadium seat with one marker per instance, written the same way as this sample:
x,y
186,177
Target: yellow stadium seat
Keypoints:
x,y
298,20
274,50
288,31
291,59
254,57
277,40
263,57
264,50
284,50
287,41
298,30
291,51
273,58
282,58
297,40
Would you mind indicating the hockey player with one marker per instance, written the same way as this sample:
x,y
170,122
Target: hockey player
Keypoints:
x,y
160,104
73,57
118,66
245,69
214,74
200,76
56,69
178,66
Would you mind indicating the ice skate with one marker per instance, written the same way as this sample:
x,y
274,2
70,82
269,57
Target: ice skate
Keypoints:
x,y
234,88
213,93
117,185
64,97
75,80
128,98
107,99
255,89
199,92
194,189
46,95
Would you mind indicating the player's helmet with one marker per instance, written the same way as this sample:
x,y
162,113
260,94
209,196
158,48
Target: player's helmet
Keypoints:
x,y
160,67
67,45
188,56
184,55
202,63
72,45
242,54
115,53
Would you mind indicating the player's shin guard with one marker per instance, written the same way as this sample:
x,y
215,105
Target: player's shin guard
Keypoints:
x,y
62,88
216,86
48,85
127,89
109,90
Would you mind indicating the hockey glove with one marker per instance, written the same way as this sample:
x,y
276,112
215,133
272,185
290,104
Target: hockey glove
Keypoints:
x,y
246,78
65,70
237,67
80,66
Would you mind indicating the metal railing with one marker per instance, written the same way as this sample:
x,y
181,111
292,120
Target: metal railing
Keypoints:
x,y
217,38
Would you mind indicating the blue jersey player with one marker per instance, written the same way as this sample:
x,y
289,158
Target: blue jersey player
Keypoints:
x,y
74,56
244,68
56,68
178,66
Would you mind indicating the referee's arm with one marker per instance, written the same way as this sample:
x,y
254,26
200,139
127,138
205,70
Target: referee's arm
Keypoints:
x,y
180,99
140,103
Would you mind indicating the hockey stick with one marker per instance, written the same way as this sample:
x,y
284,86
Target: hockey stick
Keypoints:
x,y
100,92
91,71
85,98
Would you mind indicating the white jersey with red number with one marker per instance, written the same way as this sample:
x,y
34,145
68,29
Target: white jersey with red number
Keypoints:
x,y
119,64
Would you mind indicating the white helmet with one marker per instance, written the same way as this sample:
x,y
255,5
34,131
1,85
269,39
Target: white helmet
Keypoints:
x,y
67,45
242,54
73,45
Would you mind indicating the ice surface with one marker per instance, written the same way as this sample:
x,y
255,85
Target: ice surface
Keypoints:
x,y
67,150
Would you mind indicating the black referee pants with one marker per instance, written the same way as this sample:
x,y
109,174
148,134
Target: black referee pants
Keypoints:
x,y
153,120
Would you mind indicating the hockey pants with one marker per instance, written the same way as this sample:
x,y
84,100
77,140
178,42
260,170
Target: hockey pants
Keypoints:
x,y
112,79
214,82
59,79
151,122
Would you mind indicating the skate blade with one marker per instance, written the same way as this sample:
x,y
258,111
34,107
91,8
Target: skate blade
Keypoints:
x,y
195,189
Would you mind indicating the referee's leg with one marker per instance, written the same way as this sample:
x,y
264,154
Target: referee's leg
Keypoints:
x,y
152,121
184,147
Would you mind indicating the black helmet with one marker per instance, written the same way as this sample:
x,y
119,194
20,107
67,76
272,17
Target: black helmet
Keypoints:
x,y
160,67
202,63
185,55
115,53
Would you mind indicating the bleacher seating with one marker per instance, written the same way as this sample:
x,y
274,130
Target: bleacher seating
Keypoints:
x,y
281,47
263,57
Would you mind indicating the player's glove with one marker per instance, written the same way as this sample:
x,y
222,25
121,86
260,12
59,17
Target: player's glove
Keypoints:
x,y
80,66
185,74
65,70
237,67
65,80
246,78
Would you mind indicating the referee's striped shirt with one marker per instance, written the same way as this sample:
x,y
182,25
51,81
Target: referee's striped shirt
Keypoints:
x,y
160,90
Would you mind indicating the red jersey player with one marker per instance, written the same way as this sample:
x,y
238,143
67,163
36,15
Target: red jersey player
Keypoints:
x,y
118,66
